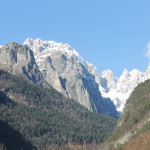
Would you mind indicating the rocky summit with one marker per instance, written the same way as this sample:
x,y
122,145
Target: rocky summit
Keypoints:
x,y
19,60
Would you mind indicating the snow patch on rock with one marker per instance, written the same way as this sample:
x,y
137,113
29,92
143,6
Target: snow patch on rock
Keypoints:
x,y
49,47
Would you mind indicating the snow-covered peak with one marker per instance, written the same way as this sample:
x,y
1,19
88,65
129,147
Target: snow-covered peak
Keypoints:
x,y
123,87
108,79
1,46
106,73
38,45
125,73
124,77
43,49
135,72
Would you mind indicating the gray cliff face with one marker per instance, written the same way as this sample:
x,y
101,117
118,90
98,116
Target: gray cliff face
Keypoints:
x,y
70,78
19,60
63,68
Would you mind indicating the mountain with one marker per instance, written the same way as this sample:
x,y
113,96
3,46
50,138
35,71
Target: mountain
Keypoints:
x,y
47,119
133,128
19,60
119,90
66,71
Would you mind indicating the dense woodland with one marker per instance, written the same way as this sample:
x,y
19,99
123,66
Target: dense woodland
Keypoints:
x,y
47,119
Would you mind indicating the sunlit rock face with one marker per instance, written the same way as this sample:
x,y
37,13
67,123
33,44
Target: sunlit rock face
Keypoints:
x,y
66,71
19,60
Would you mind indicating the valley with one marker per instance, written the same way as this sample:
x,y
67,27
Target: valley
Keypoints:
x,y
52,99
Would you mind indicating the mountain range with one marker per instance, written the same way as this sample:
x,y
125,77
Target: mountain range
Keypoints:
x,y
51,98
66,71
60,66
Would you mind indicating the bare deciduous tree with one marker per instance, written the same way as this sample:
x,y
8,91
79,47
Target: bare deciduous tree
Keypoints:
x,y
2,147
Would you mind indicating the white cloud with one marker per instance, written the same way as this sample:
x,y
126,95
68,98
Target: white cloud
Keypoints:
x,y
148,50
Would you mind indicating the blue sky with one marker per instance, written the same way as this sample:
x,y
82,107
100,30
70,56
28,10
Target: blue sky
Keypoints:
x,y
108,33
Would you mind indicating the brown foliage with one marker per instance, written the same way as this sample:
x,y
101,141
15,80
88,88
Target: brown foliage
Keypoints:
x,y
72,146
141,142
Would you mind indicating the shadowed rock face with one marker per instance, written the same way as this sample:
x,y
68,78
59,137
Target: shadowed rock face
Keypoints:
x,y
19,59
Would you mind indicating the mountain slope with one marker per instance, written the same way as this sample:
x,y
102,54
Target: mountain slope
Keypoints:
x,y
65,70
140,142
19,60
46,118
119,90
135,119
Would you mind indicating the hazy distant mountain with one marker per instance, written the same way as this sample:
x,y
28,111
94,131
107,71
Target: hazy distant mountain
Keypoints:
x,y
119,90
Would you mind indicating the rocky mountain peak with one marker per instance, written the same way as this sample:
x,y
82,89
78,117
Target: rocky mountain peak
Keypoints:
x,y
38,46
66,71
107,72
12,45
108,80
13,53
44,49
19,59
125,74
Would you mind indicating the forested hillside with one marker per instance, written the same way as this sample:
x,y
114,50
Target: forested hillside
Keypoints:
x,y
133,127
46,118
